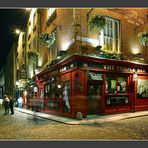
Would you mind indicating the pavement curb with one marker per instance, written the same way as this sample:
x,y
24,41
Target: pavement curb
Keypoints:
x,y
87,121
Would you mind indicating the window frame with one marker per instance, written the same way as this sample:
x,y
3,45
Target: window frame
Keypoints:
x,y
116,78
115,43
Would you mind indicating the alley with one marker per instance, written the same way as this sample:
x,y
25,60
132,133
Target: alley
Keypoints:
x,y
22,126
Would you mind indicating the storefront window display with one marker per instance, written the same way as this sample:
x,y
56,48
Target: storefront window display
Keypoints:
x,y
116,84
53,90
142,88
53,93
110,84
115,87
122,84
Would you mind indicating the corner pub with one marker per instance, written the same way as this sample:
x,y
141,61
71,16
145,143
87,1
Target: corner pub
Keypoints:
x,y
92,86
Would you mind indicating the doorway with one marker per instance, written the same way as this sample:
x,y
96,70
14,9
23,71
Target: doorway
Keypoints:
x,y
94,98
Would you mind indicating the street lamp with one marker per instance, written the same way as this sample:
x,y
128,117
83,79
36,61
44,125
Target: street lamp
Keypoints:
x,y
17,31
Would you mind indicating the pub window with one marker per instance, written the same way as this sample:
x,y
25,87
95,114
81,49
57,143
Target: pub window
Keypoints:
x,y
110,84
142,88
53,89
122,84
58,88
116,84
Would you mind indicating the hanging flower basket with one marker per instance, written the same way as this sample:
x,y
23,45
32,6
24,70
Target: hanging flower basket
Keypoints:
x,y
98,22
143,38
47,39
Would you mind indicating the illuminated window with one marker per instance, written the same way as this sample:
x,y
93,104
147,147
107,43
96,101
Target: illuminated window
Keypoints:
x,y
111,35
51,11
116,84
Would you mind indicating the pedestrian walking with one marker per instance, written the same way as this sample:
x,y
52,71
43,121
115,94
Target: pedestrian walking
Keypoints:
x,y
11,104
6,104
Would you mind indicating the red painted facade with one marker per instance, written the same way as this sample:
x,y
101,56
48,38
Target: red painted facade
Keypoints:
x,y
92,85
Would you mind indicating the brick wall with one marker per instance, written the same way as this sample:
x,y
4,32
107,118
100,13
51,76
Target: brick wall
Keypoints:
x,y
130,22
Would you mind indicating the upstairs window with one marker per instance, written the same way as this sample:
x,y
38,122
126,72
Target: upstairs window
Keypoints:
x,y
51,16
111,35
51,11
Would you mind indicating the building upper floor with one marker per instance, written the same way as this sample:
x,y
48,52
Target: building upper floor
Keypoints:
x,y
78,30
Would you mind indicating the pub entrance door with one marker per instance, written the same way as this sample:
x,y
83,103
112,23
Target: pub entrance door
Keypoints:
x,y
94,98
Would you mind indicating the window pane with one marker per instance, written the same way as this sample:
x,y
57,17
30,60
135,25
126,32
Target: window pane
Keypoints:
x,y
122,84
116,45
53,90
58,90
112,33
47,91
50,11
110,84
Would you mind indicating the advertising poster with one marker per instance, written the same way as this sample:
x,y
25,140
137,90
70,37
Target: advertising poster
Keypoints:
x,y
142,88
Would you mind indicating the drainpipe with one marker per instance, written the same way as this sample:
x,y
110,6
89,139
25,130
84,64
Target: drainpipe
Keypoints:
x,y
89,12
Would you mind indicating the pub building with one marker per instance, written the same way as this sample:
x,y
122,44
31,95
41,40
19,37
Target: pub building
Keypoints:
x,y
92,86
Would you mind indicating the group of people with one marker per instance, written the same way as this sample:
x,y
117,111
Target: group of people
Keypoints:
x,y
8,103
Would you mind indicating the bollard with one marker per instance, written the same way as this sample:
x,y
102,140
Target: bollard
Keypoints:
x,y
79,116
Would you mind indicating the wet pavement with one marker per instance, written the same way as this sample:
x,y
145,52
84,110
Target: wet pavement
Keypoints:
x,y
21,126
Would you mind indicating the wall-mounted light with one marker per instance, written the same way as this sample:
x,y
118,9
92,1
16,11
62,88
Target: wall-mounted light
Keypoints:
x,y
58,57
17,31
135,50
59,86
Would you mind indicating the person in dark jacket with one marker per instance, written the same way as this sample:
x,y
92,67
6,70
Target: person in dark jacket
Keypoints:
x,y
11,104
6,104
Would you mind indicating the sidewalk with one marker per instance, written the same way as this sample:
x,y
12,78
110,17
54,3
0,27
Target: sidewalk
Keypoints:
x,y
94,119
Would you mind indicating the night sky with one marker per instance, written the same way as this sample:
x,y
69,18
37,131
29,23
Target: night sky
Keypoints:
x,y
10,20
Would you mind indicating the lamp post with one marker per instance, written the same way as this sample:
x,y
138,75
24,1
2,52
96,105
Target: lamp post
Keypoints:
x,y
17,31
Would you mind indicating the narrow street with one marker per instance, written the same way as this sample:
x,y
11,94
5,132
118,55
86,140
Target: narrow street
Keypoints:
x,y
22,126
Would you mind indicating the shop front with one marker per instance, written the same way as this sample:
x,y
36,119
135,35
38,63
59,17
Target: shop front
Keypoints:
x,y
93,86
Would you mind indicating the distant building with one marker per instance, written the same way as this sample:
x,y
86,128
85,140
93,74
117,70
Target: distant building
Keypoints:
x,y
2,83
10,72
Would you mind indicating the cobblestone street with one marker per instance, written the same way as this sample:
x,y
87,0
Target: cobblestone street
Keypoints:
x,y
22,126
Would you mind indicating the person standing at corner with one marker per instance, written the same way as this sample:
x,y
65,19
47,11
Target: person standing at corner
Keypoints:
x,y
6,104
11,104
